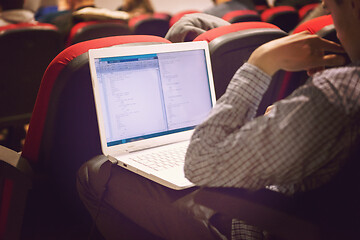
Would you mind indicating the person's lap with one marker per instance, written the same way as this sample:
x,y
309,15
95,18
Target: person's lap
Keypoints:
x,y
164,212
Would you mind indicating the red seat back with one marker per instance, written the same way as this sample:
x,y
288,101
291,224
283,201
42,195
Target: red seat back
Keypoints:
x,y
261,7
176,17
230,46
305,10
63,131
89,30
26,50
150,24
242,16
322,26
285,17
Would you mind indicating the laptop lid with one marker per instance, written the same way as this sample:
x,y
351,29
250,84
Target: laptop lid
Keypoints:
x,y
150,95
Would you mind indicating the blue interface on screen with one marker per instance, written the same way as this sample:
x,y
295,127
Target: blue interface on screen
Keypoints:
x,y
151,95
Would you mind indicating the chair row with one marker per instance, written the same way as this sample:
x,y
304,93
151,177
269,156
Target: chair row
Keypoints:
x,y
285,17
33,46
63,131
26,51
156,24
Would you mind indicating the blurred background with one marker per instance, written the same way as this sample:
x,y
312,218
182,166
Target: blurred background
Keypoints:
x,y
170,6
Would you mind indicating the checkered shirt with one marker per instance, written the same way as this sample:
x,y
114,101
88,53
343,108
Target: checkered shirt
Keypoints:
x,y
299,145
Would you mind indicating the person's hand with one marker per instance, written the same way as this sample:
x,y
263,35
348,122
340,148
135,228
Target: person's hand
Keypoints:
x,y
270,3
301,51
268,109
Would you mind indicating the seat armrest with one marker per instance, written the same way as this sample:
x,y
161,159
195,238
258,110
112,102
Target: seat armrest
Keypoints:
x,y
9,156
16,179
13,158
265,209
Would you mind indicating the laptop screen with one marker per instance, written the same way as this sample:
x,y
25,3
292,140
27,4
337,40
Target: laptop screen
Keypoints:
x,y
150,95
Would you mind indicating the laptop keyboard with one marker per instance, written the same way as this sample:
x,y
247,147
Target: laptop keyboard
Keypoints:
x,y
163,159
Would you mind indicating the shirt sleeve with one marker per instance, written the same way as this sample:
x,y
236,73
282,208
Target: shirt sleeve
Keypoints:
x,y
232,148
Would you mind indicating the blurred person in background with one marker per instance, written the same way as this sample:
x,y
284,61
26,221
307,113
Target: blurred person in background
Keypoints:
x,y
65,21
83,10
137,7
32,5
12,11
221,7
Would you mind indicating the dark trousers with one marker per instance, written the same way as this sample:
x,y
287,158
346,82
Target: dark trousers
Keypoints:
x,y
128,206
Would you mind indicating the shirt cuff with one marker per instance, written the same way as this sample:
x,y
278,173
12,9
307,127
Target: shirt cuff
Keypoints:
x,y
250,81
260,74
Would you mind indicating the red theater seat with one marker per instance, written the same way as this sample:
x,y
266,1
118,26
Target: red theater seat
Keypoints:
x,y
305,10
322,26
63,131
163,15
26,50
176,17
285,17
150,24
242,16
261,7
230,46
89,30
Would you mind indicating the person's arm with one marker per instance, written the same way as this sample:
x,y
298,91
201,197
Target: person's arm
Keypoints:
x,y
302,51
234,149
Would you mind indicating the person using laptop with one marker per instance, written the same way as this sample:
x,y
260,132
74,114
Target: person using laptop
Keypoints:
x,y
299,145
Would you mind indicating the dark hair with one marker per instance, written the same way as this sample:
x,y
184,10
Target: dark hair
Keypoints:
x,y
11,4
139,6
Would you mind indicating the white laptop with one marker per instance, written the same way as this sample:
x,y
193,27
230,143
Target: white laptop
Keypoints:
x,y
149,98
